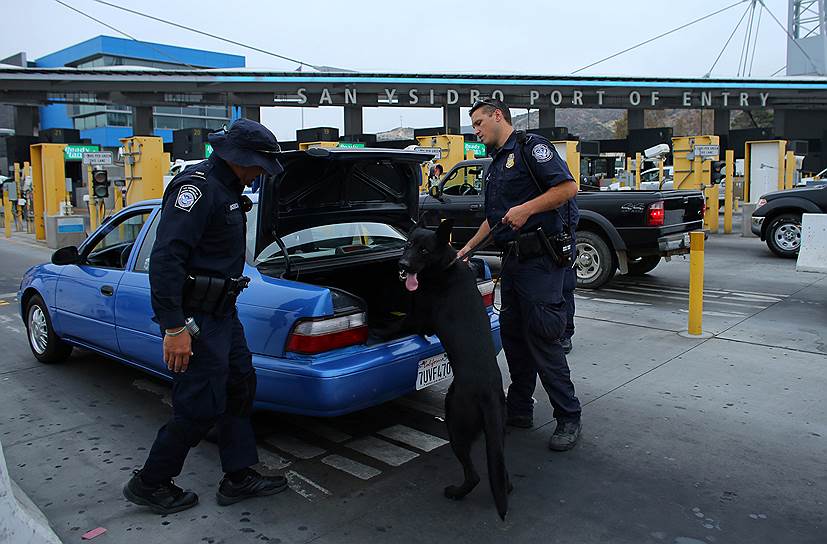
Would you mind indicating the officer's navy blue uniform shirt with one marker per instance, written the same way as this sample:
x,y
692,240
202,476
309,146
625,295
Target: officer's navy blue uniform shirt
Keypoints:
x,y
509,184
201,231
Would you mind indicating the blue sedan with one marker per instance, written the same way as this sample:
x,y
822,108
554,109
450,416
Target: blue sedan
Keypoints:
x,y
323,243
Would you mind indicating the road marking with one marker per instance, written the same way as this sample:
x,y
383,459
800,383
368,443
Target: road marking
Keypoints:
x,y
717,314
271,460
659,290
4,302
294,446
8,295
354,468
682,299
383,451
155,389
305,487
753,298
412,437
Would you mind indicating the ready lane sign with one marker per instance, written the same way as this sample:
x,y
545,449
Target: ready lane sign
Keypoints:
x,y
706,151
101,158
478,148
75,152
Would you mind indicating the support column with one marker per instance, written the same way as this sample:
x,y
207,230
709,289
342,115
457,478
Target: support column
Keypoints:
x,y
548,118
25,120
450,119
142,121
635,119
353,121
721,127
253,113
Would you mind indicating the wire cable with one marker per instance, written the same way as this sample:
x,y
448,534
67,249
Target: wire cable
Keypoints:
x,y
755,42
203,33
778,71
650,40
734,30
745,46
790,36
177,61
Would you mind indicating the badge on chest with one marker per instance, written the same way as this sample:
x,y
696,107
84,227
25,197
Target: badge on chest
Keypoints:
x,y
509,162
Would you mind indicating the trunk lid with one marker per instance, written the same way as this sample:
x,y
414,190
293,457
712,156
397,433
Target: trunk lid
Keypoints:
x,y
324,186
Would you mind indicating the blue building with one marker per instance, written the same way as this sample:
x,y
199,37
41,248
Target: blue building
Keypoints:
x,y
106,125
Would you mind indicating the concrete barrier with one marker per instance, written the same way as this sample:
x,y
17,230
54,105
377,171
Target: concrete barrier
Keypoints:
x,y
746,222
21,521
812,257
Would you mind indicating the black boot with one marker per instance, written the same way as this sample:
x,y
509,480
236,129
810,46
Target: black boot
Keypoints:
x,y
565,436
246,484
164,498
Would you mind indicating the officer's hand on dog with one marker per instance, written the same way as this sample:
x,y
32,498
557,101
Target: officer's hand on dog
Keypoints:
x,y
461,253
177,351
517,216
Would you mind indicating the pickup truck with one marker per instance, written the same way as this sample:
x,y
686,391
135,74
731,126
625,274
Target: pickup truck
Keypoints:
x,y
777,217
629,231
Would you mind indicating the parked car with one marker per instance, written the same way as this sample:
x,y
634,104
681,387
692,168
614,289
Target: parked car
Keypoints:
x,y
777,217
628,231
323,244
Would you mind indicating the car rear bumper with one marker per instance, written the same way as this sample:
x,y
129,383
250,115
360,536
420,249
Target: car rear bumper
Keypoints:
x,y
348,381
676,244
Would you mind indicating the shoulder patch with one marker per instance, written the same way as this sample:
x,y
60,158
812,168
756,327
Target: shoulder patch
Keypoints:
x,y
187,197
542,153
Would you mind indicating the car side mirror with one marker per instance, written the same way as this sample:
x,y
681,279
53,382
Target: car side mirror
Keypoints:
x,y
435,192
66,255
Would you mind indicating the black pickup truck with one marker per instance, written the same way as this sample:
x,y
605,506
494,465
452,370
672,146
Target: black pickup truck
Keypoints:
x,y
628,231
777,217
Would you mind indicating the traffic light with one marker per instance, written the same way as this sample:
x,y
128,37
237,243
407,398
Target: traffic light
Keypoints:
x,y
100,183
717,172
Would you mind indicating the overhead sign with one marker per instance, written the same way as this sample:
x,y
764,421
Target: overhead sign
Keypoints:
x,y
437,152
706,151
477,148
74,152
103,158
351,145
207,150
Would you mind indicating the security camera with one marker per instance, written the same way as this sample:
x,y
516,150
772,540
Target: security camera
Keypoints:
x,y
656,153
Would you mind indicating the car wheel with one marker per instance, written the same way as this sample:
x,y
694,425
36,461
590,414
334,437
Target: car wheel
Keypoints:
x,y
784,235
643,265
46,346
595,265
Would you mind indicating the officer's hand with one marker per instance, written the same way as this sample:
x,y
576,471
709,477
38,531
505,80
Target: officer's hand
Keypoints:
x,y
517,216
177,351
461,253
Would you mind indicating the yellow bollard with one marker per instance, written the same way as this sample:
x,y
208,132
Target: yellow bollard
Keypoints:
x,y
637,170
728,190
7,212
789,170
696,283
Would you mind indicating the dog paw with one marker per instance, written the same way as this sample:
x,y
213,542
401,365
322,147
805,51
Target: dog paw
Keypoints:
x,y
454,492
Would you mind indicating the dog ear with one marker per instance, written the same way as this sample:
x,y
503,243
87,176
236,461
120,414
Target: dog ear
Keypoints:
x,y
443,233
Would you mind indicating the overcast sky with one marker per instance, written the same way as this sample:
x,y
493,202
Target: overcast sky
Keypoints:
x,y
538,37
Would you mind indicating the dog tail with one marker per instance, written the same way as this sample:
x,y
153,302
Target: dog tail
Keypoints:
x,y
494,428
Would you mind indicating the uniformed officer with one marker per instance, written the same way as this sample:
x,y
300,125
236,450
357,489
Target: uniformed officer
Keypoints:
x,y
195,276
524,215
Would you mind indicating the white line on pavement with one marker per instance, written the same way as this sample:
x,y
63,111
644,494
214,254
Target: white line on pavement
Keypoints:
x,y
386,452
294,446
305,487
412,437
354,468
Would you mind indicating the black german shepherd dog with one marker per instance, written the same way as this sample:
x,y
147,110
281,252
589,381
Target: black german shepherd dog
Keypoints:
x,y
446,302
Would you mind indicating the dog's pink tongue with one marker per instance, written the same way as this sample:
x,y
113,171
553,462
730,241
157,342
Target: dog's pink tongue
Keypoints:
x,y
411,283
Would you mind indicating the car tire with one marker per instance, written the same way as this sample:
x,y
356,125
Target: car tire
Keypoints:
x,y
45,344
784,235
643,265
595,264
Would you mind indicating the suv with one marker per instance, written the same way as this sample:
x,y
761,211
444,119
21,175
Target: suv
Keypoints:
x,y
777,217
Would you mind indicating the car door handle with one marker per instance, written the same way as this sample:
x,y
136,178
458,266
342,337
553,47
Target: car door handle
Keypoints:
x,y
475,206
107,290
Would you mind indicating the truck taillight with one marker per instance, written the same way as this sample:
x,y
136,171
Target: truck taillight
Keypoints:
x,y
487,291
655,214
319,335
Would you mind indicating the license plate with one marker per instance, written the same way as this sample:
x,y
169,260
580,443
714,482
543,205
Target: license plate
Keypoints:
x,y
433,370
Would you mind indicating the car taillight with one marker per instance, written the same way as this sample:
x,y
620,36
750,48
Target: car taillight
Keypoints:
x,y
316,336
655,214
487,291
761,202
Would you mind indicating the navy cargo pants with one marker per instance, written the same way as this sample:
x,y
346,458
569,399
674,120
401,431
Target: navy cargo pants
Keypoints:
x,y
218,387
532,321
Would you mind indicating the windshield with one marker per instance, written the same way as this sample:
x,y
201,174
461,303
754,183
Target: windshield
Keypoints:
x,y
334,240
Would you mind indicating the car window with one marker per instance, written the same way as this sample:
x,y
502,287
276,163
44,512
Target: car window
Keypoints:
x,y
114,243
466,180
334,240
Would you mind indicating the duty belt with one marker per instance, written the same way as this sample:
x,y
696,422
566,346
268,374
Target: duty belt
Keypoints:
x,y
213,295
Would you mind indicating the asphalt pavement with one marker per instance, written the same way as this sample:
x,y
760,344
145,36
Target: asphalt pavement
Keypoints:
x,y
685,441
